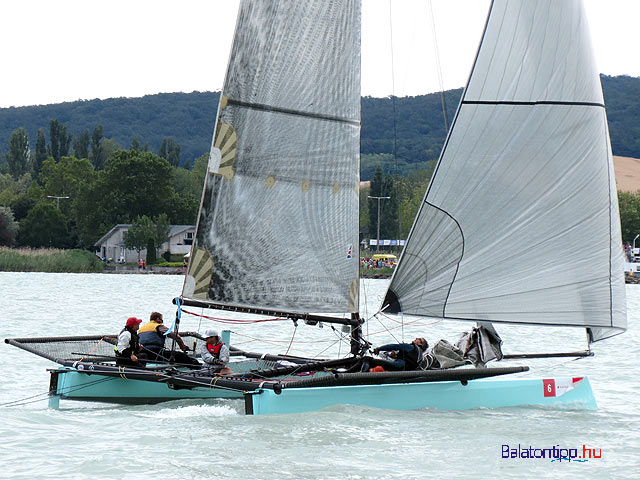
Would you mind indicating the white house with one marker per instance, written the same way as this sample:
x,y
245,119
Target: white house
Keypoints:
x,y
111,245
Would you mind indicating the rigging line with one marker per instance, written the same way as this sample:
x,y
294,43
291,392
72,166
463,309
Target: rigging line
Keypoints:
x,y
240,321
557,366
366,309
395,126
315,356
362,288
195,340
295,329
277,342
335,332
86,385
244,343
388,330
439,69
388,317
27,403
18,402
21,401
393,89
341,337
399,326
94,349
173,364
301,365
200,319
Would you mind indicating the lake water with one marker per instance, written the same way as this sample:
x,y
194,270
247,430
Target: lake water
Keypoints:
x,y
198,439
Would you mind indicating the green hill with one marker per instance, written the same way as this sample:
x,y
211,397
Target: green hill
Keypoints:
x,y
411,127
187,117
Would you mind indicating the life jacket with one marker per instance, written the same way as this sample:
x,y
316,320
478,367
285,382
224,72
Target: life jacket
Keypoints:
x,y
412,359
134,344
215,349
149,335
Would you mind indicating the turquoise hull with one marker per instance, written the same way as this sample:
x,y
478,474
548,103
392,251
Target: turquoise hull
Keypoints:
x,y
68,383
74,385
450,395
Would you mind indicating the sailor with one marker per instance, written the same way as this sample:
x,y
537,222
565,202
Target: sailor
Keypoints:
x,y
128,347
152,336
214,353
401,356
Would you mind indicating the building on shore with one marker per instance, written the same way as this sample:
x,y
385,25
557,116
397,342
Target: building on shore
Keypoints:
x,y
111,245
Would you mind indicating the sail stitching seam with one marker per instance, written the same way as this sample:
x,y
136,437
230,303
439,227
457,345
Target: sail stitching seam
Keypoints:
x,y
608,140
539,102
446,300
515,322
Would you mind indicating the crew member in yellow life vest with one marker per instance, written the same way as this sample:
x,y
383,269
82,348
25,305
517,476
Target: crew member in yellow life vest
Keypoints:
x,y
214,353
152,337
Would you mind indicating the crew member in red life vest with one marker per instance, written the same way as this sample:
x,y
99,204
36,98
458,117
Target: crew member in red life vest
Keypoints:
x,y
128,347
214,353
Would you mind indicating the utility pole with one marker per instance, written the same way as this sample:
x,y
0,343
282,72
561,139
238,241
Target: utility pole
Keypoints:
x,y
57,199
378,241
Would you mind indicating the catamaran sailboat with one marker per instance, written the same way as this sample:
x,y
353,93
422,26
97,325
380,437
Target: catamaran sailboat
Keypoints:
x,y
527,161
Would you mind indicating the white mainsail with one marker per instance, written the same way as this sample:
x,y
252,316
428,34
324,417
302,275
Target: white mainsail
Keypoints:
x,y
278,225
520,223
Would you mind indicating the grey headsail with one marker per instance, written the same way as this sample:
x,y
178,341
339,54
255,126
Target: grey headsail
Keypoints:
x,y
278,224
520,223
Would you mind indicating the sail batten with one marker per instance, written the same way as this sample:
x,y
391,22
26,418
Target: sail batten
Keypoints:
x,y
271,108
520,222
278,226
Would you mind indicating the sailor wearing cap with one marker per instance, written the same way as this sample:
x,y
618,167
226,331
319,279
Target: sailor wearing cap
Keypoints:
x,y
214,353
128,347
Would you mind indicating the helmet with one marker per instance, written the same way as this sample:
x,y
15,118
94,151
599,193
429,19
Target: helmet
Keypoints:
x,y
211,332
133,321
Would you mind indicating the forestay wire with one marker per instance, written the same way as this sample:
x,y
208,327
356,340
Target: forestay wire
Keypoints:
x,y
438,68
45,395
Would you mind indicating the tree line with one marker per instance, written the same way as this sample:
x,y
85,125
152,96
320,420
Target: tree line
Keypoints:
x,y
96,148
629,204
401,135
397,212
56,197
146,121
68,190
71,204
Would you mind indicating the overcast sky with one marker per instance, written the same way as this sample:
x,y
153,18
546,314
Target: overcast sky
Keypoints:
x,y
55,51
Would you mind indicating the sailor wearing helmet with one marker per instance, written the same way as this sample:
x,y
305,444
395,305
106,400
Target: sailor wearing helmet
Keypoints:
x,y
214,353
128,347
